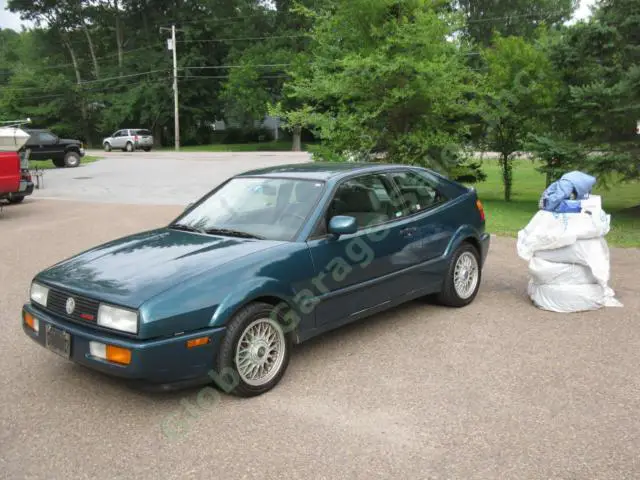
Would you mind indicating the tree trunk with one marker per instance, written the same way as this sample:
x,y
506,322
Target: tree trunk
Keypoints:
x,y
96,68
118,36
76,68
297,139
507,175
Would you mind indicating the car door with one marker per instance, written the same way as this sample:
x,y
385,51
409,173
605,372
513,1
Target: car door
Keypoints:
x,y
117,140
360,272
41,145
425,206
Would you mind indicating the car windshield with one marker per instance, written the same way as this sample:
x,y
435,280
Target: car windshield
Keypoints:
x,y
254,207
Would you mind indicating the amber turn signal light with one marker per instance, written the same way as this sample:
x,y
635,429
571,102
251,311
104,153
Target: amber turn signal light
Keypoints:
x,y
31,321
196,342
118,355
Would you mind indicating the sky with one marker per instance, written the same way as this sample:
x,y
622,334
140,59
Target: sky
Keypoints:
x,y
11,20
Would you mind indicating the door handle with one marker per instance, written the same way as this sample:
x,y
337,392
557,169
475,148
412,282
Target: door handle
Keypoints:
x,y
408,232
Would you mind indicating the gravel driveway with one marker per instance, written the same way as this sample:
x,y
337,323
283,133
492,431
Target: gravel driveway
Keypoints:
x,y
497,390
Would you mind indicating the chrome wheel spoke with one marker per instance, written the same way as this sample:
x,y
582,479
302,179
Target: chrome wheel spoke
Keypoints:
x,y
466,274
260,352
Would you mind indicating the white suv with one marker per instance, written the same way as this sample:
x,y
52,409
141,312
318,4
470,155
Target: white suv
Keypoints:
x,y
129,139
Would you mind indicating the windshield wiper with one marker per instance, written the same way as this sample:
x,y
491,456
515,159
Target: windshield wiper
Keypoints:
x,y
232,233
186,228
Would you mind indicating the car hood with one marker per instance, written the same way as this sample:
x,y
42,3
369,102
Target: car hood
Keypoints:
x,y
133,269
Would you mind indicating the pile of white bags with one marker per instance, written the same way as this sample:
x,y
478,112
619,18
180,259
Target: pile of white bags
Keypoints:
x,y
568,259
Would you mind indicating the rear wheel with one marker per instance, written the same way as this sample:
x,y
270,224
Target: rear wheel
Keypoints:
x,y
147,149
256,349
129,147
15,198
463,277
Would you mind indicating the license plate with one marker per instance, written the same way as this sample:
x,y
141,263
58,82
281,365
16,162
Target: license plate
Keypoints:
x,y
58,341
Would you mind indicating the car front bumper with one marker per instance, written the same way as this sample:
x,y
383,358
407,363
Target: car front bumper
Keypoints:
x,y
159,364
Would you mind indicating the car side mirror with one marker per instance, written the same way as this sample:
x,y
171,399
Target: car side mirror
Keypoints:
x,y
343,225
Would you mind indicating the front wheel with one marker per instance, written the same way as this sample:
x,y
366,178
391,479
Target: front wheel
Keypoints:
x,y
71,160
463,277
107,147
256,349
147,149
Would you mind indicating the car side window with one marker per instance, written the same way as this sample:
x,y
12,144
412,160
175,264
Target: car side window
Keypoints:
x,y
46,137
369,199
417,192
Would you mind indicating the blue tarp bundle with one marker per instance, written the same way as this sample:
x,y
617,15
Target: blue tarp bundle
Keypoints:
x,y
564,195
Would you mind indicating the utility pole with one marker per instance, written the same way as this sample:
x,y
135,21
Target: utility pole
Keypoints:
x,y
176,113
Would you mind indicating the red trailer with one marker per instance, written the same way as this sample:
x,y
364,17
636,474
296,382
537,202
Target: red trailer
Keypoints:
x,y
12,139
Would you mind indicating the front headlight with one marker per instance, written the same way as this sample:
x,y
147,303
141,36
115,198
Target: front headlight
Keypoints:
x,y
118,318
39,294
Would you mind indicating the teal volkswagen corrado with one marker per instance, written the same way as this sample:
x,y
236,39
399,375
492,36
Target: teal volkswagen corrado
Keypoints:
x,y
268,259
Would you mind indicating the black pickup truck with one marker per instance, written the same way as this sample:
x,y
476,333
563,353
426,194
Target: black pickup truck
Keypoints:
x,y
44,145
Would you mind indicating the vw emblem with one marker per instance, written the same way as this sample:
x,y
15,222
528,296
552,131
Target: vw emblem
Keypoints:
x,y
71,305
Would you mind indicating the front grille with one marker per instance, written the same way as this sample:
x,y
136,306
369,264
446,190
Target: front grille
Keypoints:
x,y
86,310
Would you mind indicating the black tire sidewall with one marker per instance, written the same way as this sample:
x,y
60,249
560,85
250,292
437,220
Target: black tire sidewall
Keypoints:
x,y
449,296
71,155
228,346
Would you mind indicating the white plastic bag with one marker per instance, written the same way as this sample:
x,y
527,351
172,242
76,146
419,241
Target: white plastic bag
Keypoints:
x,y
593,253
544,272
567,298
548,230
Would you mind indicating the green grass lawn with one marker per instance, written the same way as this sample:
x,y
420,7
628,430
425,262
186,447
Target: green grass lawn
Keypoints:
x,y
241,147
48,164
507,218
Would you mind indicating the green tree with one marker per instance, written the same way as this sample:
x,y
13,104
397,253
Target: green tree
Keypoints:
x,y
521,88
518,18
599,105
383,77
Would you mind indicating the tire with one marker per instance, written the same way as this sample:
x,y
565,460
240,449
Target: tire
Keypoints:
x,y
255,315
128,147
147,149
71,159
107,147
465,258
15,198
59,162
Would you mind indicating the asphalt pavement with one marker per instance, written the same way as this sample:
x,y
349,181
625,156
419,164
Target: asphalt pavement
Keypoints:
x,y
496,390
153,178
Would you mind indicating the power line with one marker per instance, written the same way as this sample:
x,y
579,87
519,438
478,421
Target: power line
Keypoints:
x,y
197,77
65,65
123,76
214,67
242,38
98,90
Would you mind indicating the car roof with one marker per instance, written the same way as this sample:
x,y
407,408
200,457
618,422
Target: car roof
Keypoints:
x,y
319,170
